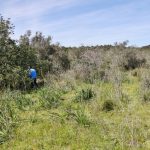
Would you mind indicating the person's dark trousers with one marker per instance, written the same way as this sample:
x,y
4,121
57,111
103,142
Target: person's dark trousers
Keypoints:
x,y
34,83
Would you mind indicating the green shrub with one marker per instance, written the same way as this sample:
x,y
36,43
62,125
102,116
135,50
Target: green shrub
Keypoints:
x,y
82,118
79,115
85,95
132,61
108,105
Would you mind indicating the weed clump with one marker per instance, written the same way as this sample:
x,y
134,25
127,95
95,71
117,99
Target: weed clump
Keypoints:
x,y
85,95
82,118
79,115
108,105
50,98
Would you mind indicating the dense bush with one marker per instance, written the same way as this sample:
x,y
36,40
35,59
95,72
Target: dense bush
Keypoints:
x,y
132,61
36,51
89,63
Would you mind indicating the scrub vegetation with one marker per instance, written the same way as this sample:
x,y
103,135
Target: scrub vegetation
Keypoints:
x,y
89,97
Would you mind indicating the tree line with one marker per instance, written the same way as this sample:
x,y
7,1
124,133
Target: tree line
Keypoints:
x,y
34,50
87,63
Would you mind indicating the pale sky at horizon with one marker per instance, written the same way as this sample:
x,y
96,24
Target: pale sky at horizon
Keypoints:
x,y
76,22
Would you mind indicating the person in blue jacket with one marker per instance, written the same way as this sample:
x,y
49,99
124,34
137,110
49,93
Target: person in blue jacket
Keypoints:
x,y
33,77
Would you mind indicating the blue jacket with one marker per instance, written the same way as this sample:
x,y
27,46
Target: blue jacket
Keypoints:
x,y
32,73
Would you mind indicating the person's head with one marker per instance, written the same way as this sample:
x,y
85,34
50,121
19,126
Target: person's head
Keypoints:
x,y
29,67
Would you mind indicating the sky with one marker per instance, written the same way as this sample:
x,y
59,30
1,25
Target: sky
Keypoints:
x,y
81,22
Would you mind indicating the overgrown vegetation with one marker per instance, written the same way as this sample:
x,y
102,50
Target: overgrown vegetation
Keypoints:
x,y
94,97
8,117
84,95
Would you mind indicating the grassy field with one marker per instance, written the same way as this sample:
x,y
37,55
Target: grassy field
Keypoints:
x,y
78,116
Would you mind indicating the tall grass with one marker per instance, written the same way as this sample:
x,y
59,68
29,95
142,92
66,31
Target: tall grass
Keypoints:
x,y
8,117
50,98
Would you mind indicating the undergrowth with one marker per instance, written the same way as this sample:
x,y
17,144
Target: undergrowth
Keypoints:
x,y
82,117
